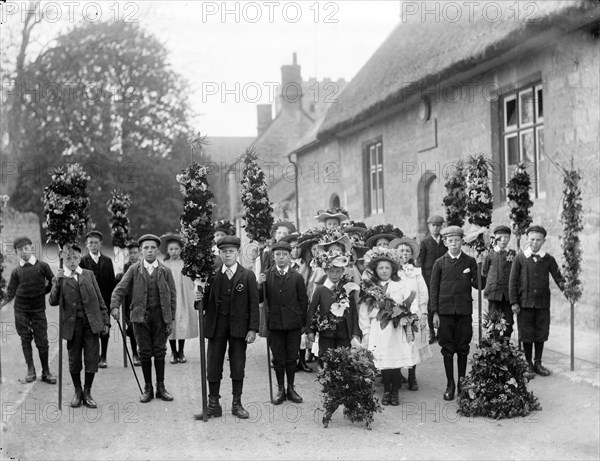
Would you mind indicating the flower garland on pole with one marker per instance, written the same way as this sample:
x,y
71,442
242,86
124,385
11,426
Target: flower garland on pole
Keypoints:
x,y
520,201
66,210
197,229
455,200
3,203
479,208
118,206
259,221
571,217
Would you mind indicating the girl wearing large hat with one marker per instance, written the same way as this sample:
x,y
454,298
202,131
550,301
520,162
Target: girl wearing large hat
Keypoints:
x,y
185,325
332,217
387,327
381,235
412,279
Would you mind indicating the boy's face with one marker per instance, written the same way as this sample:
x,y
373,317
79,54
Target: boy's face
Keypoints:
x,y
93,244
332,223
435,228
296,250
334,274
282,231
71,258
502,240
134,255
219,235
453,243
282,258
228,255
535,240
149,250
25,252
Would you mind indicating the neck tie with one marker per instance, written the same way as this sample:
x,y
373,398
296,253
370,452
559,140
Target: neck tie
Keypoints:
x,y
228,273
150,269
535,257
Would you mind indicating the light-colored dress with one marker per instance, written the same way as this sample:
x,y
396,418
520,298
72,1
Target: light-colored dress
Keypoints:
x,y
390,346
412,279
185,325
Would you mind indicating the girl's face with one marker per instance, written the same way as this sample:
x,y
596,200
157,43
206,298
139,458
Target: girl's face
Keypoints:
x,y
382,242
296,251
332,223
313,250
219,235
405,253
502,240
174,250
335,274
282,231
384,270
336,247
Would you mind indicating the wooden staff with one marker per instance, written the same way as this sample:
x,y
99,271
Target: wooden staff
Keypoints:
x,y
125,351
60,344
266,317
200,307
129,357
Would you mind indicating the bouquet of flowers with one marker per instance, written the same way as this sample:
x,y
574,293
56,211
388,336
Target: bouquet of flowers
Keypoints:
x,y
66,205
255,198
348,379
3,202
479,202
519,200
332,235
332,258
373,296
383,229
571,217
225,224
119,222
341,304
196,222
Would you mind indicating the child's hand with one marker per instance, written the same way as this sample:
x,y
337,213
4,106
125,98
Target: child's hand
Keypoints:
x,y
105,330
262,278
311,337
60,274
436,320
115,313
516,308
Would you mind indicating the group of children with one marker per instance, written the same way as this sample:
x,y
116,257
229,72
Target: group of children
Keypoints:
x,y
309,286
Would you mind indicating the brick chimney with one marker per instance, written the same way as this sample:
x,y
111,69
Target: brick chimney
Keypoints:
x,y
263,117
291,84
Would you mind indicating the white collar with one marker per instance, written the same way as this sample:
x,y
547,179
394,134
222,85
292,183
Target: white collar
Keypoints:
x,y
382,283
455,257
233,268
96,258
77,271
437,239
284,270
32,259
147,265
329,284
528,253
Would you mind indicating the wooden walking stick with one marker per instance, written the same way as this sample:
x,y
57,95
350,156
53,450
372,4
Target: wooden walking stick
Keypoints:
x,y
266,330
200,307
129,357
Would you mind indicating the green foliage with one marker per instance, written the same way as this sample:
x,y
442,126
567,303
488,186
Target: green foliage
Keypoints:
x,y
520,201
571,217
3,203
455,200
479,200
119,222
496,387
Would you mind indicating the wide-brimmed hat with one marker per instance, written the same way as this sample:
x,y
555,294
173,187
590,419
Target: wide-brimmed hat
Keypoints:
x,y
355,226
332,259
310,236
334,236
170,237
412,243
291,238
337,213
226,226
379,231
378,254
290,225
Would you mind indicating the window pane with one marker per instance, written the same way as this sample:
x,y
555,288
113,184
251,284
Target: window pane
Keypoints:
x,y
380,152
510,112
540,143
372,158
526,104
527,148
539,103
511,150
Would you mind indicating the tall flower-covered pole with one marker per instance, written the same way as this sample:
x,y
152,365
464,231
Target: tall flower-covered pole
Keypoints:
x,y
571,218
66,210
3,203
520,201
197,255
479,207
455,200
119,229
258,218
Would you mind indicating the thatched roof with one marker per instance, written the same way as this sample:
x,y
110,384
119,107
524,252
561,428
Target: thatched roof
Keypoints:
x,y
419,53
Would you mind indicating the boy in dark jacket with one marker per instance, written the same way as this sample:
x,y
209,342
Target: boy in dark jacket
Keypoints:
x,y
29,283
134,256
452,278
84,319
287,302
529,291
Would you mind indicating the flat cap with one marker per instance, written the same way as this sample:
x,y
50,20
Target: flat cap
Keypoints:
x,y
229,241
502,229
73,246
94,233
452,230
435,219
536,228
281,245
21,242
152,237
132,244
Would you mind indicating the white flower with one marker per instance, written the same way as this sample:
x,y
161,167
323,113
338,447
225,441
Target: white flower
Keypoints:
x,y
338,309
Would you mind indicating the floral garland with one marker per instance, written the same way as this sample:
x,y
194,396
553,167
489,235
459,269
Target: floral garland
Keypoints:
x,y
479,202
196,222
313,234
348,379
571,217
373,295
455,200
382,252
331,236
66,205
327,259
519,201
119,222
383,229
340,306
3,204
255,198
225,224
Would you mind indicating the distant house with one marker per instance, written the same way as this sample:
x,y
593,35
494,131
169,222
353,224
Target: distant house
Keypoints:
x,y
516,89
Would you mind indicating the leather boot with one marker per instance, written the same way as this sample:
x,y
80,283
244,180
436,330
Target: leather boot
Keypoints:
x,y
148,394
237,409
461,361
28,353
88,401
450,385
161,392
136,360
280,397
412,379
293,395
214,409
30,374
47,377
77,398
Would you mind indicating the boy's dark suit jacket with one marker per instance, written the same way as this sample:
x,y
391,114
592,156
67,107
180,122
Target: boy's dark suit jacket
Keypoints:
x,y
323,297
289,293
429,252
496,270
104,272
244,315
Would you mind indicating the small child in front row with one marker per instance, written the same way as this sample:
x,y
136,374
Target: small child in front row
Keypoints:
x,y
84,320
29,284
529,291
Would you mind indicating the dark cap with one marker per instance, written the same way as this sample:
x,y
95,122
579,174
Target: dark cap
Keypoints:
x,y
435,219
539,229
229,241
94,233
152,237
21,242
502,229
73,246
452,230
281,245
132,244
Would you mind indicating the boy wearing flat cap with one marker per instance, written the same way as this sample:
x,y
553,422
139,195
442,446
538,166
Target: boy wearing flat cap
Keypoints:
x,y
153,302
231,319
529,291
496,269
452,278
287,302
29,283
430,249
103,270
85,319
